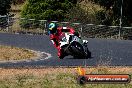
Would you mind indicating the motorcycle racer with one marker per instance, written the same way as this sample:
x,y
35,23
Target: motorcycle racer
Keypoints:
x,y
55,34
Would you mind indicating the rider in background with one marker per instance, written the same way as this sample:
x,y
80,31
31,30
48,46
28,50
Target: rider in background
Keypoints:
x,y
55,32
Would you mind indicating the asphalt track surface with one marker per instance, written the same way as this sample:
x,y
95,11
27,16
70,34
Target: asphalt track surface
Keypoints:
x,y
108,52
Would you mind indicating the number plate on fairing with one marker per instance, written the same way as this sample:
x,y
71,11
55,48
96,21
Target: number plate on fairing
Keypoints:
x,y
75,38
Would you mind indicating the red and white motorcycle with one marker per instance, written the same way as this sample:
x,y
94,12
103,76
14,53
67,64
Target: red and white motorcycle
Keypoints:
x,y
73,45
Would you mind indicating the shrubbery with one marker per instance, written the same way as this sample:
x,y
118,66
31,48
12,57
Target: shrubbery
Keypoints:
x,y
58,10
51,10
113,11
46,9
4,6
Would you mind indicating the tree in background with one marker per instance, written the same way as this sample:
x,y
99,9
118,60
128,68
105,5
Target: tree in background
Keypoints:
x,y
4,6
112,11
18,1
47,9
127,12
84,12
61,10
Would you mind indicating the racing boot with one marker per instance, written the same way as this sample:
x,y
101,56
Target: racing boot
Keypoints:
x,y
60,53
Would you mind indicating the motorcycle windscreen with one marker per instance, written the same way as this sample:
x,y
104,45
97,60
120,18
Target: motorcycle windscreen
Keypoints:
x,y
77,39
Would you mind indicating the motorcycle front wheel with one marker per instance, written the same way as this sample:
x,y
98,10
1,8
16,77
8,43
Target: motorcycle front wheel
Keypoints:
x,y
77,50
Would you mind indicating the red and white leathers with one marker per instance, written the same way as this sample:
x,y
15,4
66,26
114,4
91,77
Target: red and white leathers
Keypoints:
x,y
55,38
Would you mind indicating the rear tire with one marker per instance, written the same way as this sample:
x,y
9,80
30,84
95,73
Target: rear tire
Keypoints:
x,y
61,57
76,57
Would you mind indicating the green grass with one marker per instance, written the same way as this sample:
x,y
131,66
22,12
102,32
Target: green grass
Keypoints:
x,y
55,80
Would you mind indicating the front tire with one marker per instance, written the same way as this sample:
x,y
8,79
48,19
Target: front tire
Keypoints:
x,y
77,49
